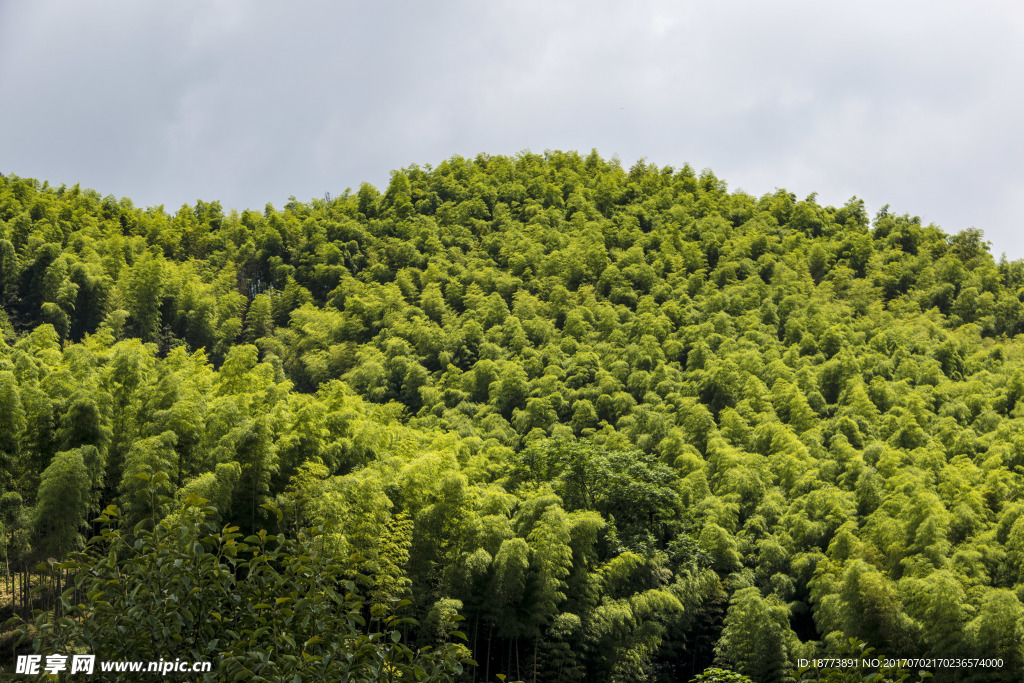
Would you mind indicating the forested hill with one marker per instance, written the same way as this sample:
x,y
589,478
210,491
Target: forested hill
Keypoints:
x,y
627,423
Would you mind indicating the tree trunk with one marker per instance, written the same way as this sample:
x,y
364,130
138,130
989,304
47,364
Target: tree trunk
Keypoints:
x,y
476,626
536,644
487,664
518,676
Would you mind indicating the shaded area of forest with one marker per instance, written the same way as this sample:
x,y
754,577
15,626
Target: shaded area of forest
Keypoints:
x,y
626,423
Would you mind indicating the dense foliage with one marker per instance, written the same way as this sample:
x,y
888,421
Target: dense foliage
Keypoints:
x,y
265,608
627,423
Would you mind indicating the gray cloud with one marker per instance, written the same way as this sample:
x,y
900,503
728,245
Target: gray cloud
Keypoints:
x,y
913,104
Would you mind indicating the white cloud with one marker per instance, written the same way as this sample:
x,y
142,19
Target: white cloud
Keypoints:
x,y
913,104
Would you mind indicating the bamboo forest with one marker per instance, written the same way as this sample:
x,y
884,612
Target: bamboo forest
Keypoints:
x,y
526,418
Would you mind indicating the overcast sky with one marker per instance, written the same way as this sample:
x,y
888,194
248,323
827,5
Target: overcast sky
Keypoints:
x,y
913,104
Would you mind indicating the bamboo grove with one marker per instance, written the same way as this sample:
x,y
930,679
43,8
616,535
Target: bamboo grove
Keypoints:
x,y
625,424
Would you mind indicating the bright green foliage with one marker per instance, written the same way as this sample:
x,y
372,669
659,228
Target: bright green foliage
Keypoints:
x,y
552,562
12,426
148,458
756,639
716,675
188,590
217,486
390,583
507,588
998,631
865,605
14,525
63,503
630,420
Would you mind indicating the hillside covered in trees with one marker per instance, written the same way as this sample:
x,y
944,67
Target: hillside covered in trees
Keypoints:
x,y
626,423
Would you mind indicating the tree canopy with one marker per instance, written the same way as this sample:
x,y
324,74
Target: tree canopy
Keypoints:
x,y
630,425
